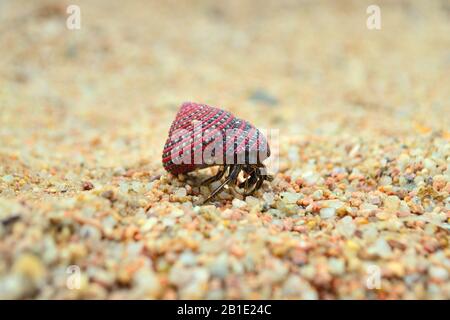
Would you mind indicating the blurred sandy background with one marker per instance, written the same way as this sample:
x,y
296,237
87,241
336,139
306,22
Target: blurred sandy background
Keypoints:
x,y
94,105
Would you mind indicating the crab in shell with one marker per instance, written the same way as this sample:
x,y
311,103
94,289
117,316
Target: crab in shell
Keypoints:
x,y
202,136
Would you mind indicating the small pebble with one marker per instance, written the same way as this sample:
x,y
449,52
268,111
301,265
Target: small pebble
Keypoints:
x,y
87,186
438,273
31,267
180,192
327,213
8,178
290,197
392,203
380,248
346,226
238,203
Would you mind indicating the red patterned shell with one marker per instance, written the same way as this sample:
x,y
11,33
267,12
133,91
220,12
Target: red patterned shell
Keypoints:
x,y
202,136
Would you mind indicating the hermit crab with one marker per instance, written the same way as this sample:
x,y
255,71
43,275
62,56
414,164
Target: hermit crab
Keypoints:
x,y
202,136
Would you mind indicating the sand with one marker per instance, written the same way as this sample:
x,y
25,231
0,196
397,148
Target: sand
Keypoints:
x,y
360,204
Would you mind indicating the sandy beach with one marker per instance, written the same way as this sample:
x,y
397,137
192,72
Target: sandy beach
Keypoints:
x,y
359,207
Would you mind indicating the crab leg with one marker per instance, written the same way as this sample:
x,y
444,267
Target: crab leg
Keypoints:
x,y
217,177
234,172
249,182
